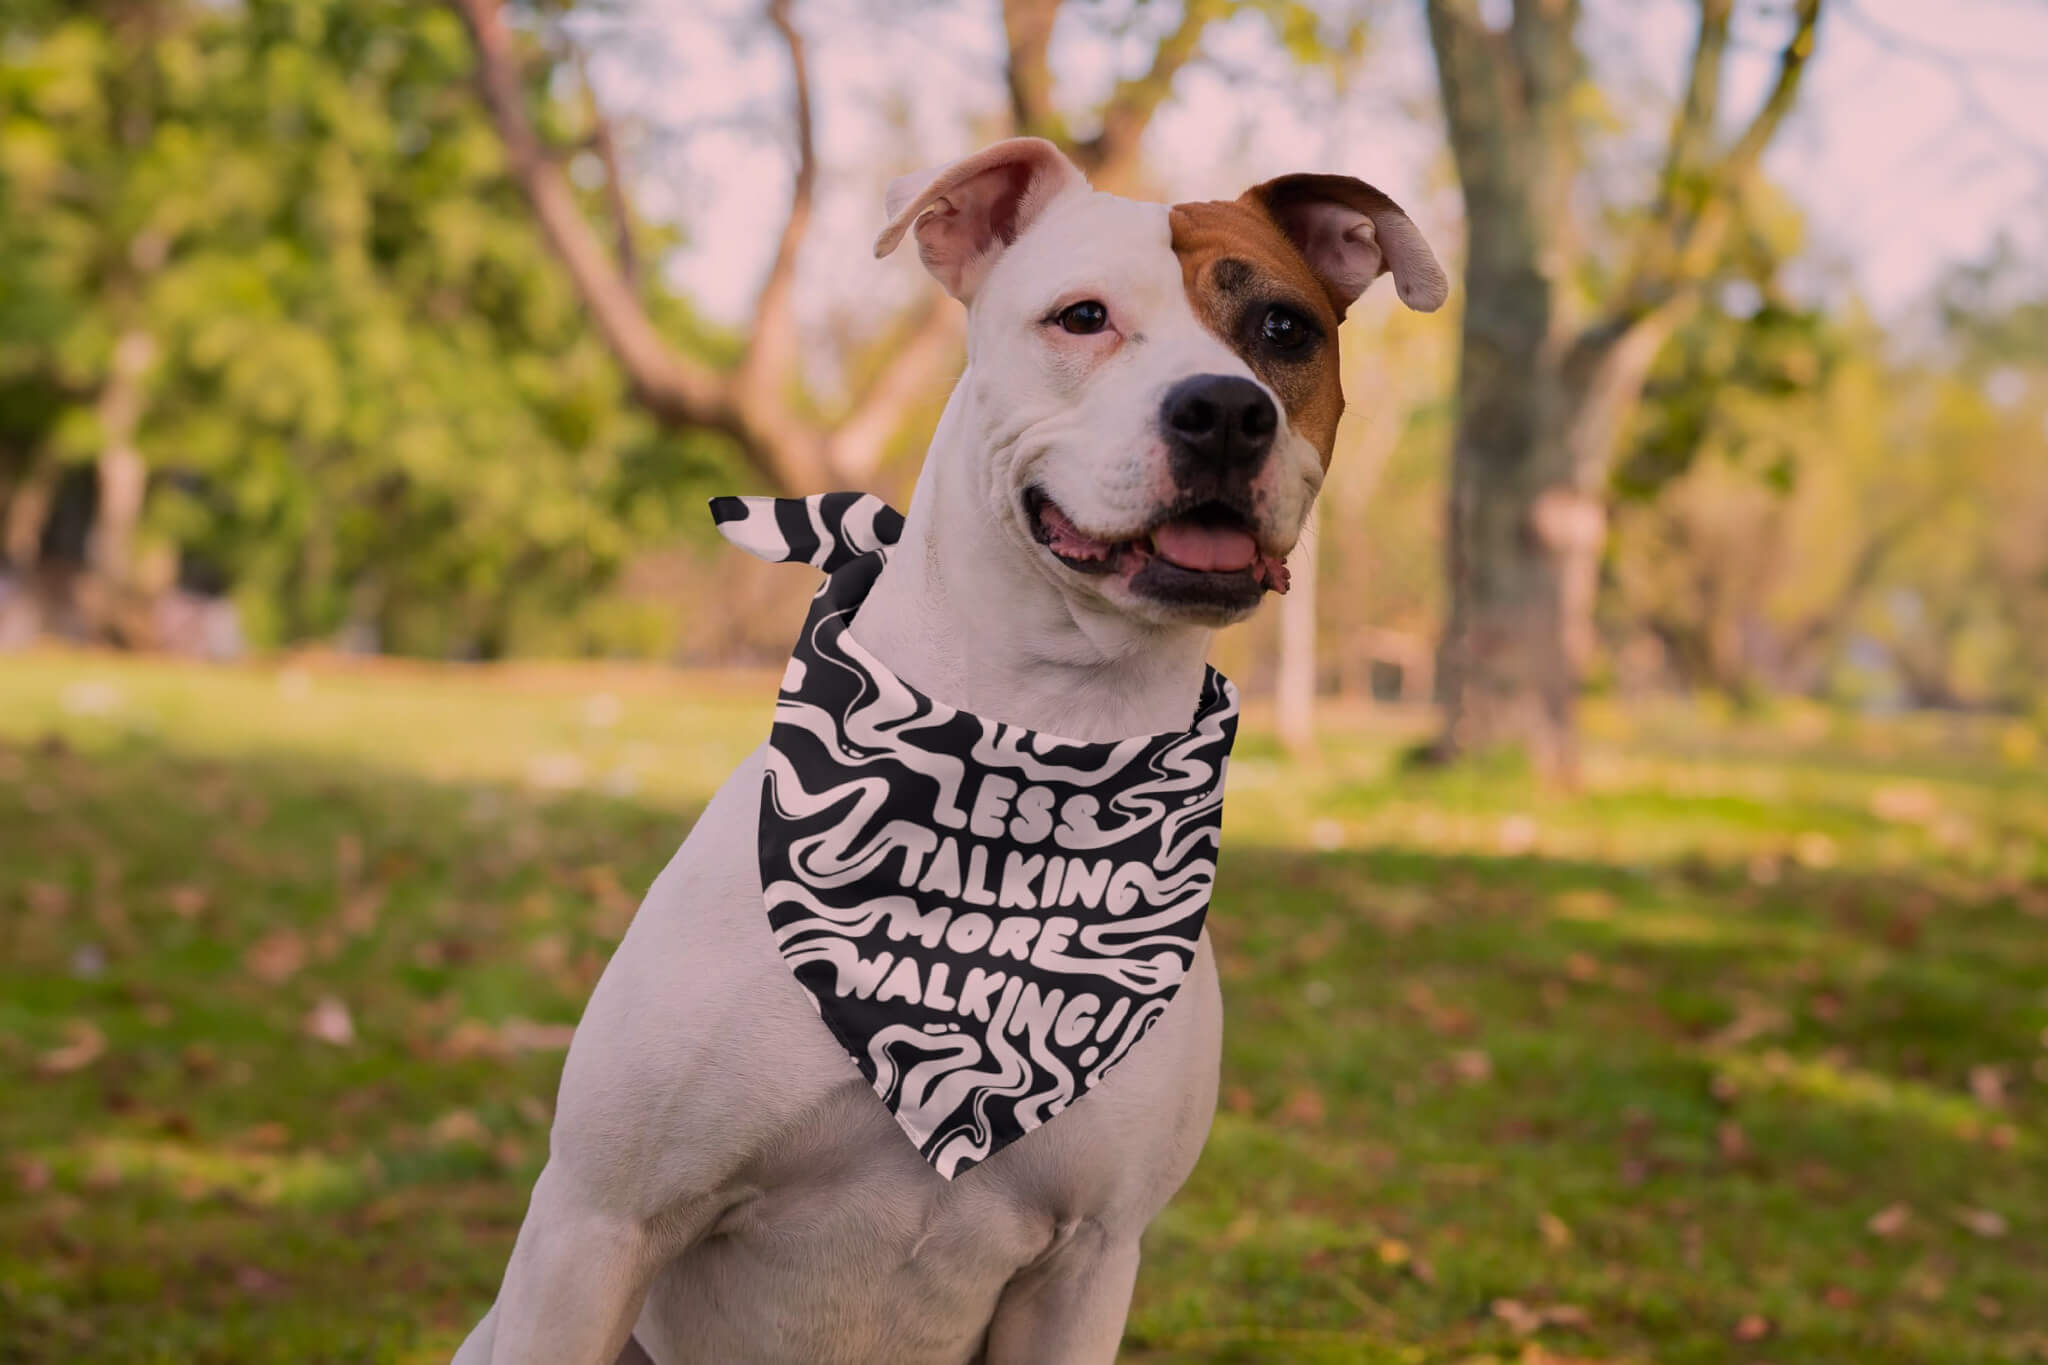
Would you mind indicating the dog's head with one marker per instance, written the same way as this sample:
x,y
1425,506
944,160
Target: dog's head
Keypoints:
x,y
1156,388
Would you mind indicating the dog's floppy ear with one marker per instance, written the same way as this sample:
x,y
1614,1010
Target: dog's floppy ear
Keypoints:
x,y
966,213
1350,234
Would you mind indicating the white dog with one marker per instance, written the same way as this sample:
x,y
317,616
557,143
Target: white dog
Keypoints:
x,y
1148,409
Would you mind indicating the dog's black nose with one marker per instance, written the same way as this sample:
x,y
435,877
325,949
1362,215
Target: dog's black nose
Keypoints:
x,y
1219,422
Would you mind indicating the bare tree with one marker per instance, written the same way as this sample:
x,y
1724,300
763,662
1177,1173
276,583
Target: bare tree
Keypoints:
x,y
751,401
1548,378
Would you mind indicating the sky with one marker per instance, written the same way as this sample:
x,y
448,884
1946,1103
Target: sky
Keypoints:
x,y
1920,137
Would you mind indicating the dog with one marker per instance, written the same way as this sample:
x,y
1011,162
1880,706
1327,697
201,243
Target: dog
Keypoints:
x,y
1148,408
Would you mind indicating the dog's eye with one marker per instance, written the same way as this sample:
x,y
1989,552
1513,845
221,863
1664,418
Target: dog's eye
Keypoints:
x,y
1084,317
1286,330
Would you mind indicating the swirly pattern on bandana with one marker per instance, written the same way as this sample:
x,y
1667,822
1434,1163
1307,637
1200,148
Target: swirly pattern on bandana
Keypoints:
x,y
987,917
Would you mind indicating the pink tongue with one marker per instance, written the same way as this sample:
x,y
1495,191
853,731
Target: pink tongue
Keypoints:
x,y
1207,549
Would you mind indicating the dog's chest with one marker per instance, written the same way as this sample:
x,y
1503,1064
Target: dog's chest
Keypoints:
x,y
835,1240
850,1249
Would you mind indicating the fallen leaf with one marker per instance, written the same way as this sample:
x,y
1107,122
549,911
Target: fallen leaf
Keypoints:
x,y
187,901
1394,1252
1520,1318
330,1022
1303,1105
253,1280
267,1137
32,1174
1926,1285
458,1126
1837,1296
1815,850
1752,1327
85,1045
1983,1222
1526,1319
1472,1066
1557,1234
1517,835
1755,1017
1890,1220
523,1035
359,910
1904,803
276,957
1987,1083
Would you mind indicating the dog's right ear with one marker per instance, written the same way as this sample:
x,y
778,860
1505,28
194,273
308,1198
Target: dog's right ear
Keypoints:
x,y
966,213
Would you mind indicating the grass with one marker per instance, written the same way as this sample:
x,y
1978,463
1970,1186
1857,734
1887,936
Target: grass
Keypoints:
x,y
1741,1054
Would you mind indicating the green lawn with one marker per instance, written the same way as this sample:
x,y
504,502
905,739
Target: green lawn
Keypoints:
x,y
1739,1055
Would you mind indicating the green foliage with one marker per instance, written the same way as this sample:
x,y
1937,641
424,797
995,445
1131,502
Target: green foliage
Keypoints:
x,y
1774,350
1808,503
376,401
1737,1055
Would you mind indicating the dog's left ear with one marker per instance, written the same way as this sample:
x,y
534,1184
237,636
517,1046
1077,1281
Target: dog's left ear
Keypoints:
x,y
966,213
1350,233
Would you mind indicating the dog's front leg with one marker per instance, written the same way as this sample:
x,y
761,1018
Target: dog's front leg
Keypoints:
x,y
1068,1309
574,1284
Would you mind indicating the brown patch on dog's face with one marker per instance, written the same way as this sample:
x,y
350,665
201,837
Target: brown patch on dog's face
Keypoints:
x,y
1251,287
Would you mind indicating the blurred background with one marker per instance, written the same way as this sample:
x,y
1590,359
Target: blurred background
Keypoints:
x,y
1634,919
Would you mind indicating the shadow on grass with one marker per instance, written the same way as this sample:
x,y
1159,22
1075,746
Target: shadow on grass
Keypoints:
x,y
288,1032
1642,1113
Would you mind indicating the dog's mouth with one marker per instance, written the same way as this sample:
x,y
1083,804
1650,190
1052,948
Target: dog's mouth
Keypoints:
x,y
1201,554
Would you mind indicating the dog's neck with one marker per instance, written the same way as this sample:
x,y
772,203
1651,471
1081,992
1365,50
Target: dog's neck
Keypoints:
x,y
964,614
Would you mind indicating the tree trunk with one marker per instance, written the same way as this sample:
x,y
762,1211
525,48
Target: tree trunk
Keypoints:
x,y
123,477
1535,439
1504,668
21,533
1543,394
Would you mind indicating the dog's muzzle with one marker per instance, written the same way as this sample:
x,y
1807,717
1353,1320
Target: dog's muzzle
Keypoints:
x,y
1218,430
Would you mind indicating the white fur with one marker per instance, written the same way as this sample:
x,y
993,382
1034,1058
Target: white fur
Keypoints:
x,y
1079,415
722,1183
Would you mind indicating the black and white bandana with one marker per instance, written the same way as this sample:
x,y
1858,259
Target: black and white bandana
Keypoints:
x,y
986,916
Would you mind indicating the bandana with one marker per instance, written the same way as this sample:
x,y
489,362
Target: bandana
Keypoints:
x,y
987,917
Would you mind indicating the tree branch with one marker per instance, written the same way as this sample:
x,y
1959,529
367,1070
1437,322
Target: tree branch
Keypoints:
x,y
1027,32
1820,630
1111,157
607,149
1683,239
672,386
920,361
771,353
1481,103
1792,59
1692,130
